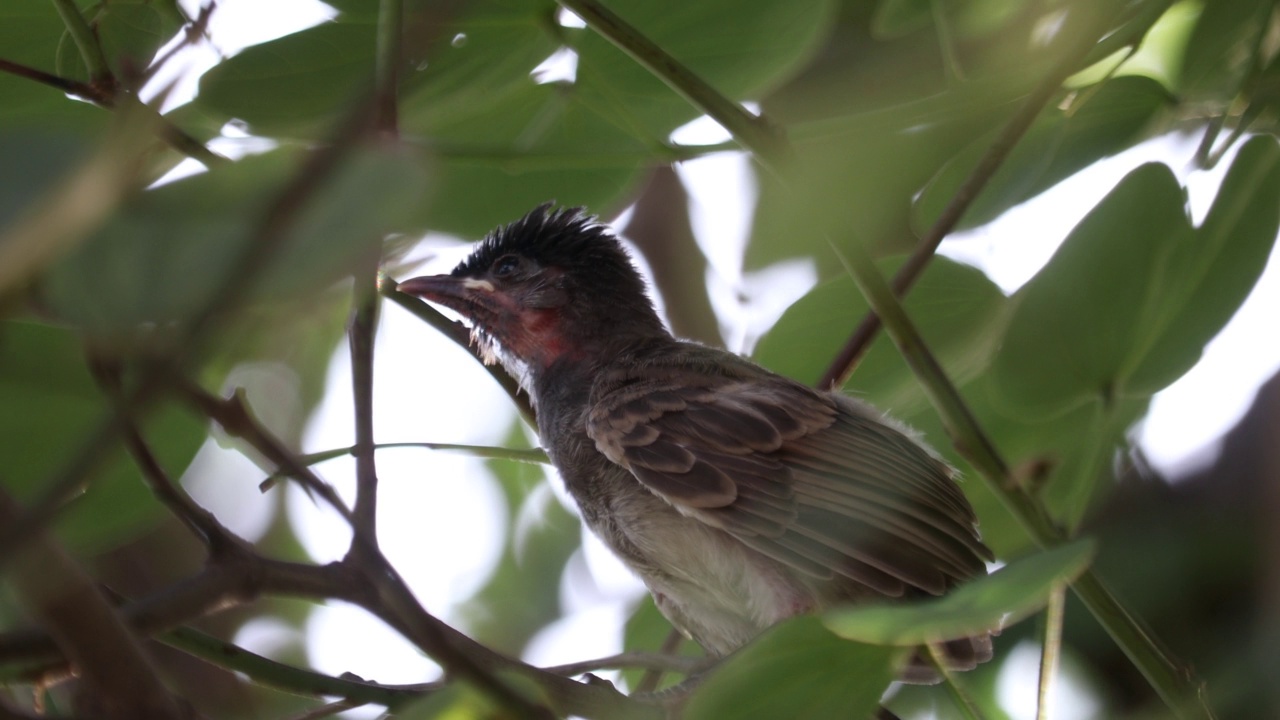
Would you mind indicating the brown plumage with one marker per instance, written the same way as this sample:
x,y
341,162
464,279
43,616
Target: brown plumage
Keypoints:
x,y
740,497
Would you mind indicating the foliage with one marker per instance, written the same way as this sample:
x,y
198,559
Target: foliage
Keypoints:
x,y
128,305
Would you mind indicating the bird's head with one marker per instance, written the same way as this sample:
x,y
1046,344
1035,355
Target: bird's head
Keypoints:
x,y
551,285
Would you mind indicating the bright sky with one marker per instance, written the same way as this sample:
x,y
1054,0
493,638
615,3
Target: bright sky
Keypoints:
x,y
440,521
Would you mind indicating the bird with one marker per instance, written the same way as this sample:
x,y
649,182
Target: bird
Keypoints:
x,y
738,496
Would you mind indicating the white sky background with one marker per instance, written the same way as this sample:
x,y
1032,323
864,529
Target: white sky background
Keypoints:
x,y
440,518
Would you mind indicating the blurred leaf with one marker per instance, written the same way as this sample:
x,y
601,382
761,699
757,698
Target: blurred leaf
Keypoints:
x,y
854,177
1057,146
1223,49
34,160
1000,599
959,312
1129,300
895,18
523,595
48,402
756,44
130,34
163,257
796,669
29,35
1210,276
646,631
294,85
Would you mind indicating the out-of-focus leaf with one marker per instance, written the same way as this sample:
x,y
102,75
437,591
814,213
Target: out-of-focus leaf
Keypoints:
x,y
48,403
524,593
854,177
34,160
130,33
959,312
646,631
895,18
1127,303
29,35
797,669
1057,146
756,43
163,257
293,85
1222,50
983,605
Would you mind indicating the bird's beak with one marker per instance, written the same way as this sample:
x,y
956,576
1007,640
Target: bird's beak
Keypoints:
x,y
453,292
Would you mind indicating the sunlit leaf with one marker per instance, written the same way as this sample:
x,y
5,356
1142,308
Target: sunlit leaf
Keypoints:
x,y
983,605
960,314
796,669
1127,303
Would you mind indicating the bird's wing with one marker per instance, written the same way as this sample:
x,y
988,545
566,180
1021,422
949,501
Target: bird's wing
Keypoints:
x,y
807,478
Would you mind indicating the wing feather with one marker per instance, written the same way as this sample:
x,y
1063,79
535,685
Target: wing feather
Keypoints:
x,y
810,479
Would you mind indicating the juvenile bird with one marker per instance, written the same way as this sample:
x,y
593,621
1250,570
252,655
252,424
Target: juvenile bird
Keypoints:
x,y
739,497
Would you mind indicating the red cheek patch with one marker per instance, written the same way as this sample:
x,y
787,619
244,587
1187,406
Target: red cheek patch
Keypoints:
x,y
540,338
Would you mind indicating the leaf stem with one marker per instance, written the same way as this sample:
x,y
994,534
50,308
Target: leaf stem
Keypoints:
x,y
87,43
387,70
1052,650
1175,685
753,132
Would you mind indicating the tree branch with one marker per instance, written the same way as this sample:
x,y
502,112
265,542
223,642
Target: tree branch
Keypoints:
x,y
120,679
361,331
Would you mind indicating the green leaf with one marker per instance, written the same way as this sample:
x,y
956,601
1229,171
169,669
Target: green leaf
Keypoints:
x,y
29,35
796,669
1207,279
34,160
895,18
48,402
646,631
1002,598
130,33
1127,303
1222,50
1056,146
854,176
959,312
162,259
294,85
522,596
754,46
1072,331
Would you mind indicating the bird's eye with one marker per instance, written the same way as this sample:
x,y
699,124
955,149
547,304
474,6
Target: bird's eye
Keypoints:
x,y
505,266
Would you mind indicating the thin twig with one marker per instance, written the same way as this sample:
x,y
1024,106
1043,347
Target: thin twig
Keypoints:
x,y
361,331
278,675
754,132
659,661
842,366
237,419
652,676
87,43
962,699
1175,685
1051,652
387,70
